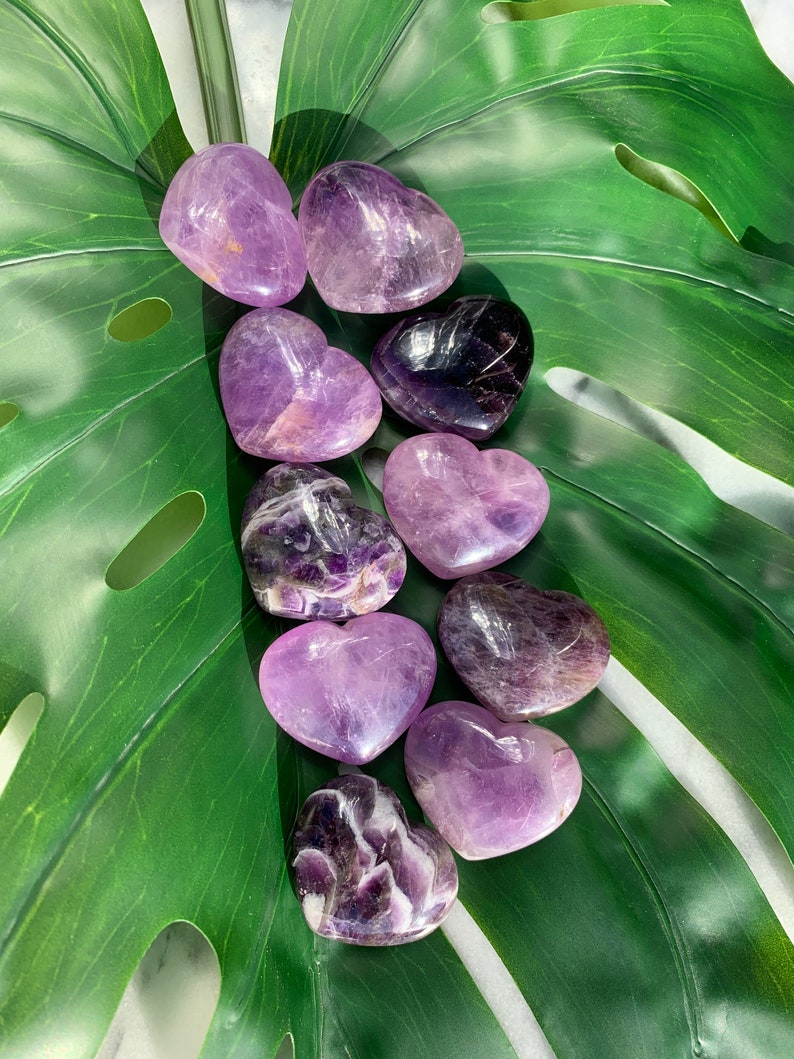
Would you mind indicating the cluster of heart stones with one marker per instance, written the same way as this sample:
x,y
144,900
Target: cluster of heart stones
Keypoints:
x,y
488,779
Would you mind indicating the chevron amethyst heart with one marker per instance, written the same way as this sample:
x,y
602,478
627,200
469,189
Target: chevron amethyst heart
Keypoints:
x,y
288,395
372,244
490,788
311,552
349,691
227,215
524,653
462,371
363,872
460,510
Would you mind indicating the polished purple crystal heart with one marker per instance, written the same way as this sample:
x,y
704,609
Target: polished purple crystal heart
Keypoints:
x,y
288,395
461,371
524,653
227,215
311,552
349,691
373,245
460,510
363,872
489,787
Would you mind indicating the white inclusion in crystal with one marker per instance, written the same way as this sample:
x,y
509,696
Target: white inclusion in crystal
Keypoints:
x,y
314,910
496,984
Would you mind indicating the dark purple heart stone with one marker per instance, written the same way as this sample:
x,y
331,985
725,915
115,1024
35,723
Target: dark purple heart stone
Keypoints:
x,y
524,653
372,244
461,371
311,552
227,215
363,873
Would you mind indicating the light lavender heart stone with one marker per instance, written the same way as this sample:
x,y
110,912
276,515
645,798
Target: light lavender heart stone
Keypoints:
x,y
227,215
372,244
363,872
524,653
311,552
460,510
288,395
349,691
490,788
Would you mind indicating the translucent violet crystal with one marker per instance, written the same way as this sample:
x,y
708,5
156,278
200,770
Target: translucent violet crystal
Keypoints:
x,y
372,244
349,690
288,395
311,552
524,653
461,371
489,787
460,510
363,872
227,215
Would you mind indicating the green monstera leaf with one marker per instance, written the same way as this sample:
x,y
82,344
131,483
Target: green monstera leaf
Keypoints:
x,y
622,172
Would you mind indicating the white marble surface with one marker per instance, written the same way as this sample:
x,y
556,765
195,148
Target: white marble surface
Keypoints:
x,y
169,1003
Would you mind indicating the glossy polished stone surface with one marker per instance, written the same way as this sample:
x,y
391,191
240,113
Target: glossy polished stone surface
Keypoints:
x,y
288,395
489,787
373,245
460,510
311,552
524,653
363,872
227,215
349,691
461,371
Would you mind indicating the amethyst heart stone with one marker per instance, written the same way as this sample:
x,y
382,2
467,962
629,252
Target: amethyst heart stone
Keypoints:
x,y
310,552
524,653
373,245
461,371
460,510
227,215
349,691
288,395
363,873
489,787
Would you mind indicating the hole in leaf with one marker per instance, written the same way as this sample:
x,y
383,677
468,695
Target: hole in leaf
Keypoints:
x,y
673,183
736,483
16,733
373,462
533,10
170,999
286,1048
8,413
140,320
157,542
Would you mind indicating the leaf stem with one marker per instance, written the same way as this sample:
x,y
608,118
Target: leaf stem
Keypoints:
x,y
217,72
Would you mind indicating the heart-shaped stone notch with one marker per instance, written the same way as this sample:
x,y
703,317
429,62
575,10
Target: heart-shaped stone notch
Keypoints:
x,y
363,872
311,552
462,371
460,510
288,395
524,653
349,691
490,788
227,215
372,244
